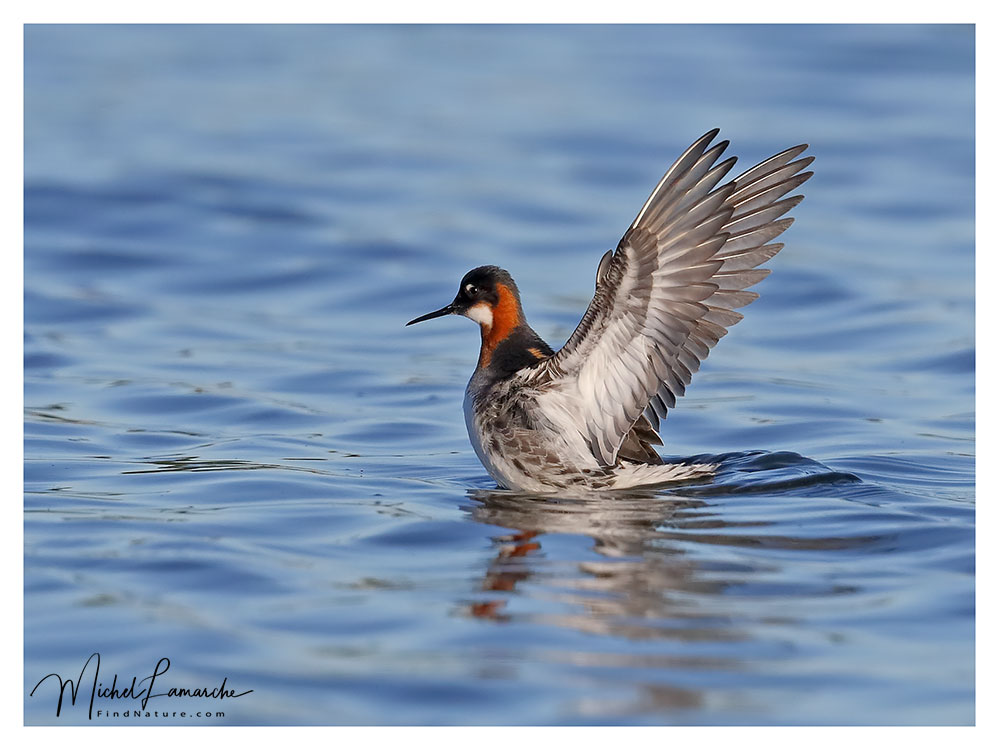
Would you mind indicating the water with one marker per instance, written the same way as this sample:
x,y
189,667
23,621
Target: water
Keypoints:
x,y
237,458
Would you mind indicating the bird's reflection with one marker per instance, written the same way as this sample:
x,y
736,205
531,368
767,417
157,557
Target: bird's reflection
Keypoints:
x,y
632,585
655,569
628,587
506,571
640,582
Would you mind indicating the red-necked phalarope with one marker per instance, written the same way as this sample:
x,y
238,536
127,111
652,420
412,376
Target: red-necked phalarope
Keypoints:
x,y
588,414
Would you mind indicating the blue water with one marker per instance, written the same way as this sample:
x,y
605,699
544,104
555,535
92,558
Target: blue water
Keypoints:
x,y
237,458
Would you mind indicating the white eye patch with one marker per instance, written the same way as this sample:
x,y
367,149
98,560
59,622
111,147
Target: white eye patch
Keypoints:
x,y
481,314
470,288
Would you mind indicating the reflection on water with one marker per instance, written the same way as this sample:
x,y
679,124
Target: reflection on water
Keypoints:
x,y
636,579
632,579
640,537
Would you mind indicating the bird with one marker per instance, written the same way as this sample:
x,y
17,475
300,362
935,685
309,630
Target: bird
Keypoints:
x,y
587,417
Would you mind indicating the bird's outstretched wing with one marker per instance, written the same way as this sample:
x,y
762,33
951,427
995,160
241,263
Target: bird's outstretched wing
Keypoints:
x,y
669,292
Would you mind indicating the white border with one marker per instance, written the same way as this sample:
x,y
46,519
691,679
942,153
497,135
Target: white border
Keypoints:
x,y
519,11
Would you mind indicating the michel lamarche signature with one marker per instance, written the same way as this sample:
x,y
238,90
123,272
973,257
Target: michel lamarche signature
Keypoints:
x,y
139,690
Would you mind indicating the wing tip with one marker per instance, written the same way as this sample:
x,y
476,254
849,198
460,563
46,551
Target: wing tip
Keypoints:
x,y
701,144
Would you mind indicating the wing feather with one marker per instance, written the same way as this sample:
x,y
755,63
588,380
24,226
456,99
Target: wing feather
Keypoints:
x,y
668,294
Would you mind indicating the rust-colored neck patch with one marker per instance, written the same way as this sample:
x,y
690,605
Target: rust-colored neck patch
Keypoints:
x,y
506,317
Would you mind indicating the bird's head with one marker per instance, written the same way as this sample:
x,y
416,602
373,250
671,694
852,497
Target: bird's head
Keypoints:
x,y
489,296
